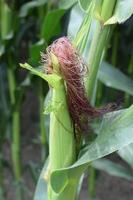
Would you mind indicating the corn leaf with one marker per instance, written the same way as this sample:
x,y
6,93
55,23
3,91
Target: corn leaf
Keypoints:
x,y
76,19
127,154
113,169
41,188
6,25
66,4
114,78
27,7
84,4
116,132
50,29
123,11
34,51
2,49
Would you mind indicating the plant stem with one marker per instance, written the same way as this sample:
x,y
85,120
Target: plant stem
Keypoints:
x,y
115,49
130,71
98,45
107,9
95,54
92,182
97,48
16,152
15,146
1,176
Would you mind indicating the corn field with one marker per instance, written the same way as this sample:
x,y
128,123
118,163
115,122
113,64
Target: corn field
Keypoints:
x,y
66,98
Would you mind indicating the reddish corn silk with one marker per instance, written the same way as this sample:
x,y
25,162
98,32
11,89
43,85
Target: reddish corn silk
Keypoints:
x,y
73,70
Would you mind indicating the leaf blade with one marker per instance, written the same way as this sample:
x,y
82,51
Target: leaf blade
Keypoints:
x,y
127,154
84,4
123,11
50,29
113,169
114,78
115,134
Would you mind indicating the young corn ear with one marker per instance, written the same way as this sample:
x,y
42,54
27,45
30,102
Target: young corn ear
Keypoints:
x,y
61,140
62,151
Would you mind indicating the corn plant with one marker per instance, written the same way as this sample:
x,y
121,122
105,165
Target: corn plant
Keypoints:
x,y
72,106
16,42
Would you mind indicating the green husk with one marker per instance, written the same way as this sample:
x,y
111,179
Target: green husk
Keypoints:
x,y
61,139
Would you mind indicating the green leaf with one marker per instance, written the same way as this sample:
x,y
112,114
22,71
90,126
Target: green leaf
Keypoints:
x,y
60,181
115,133
66,4
4,110
79,28
26,82
50,29
35,49
6,25
123,11
2,49
84,4
114,78
47,117
27,7
76,19
127,154
41,188
113,169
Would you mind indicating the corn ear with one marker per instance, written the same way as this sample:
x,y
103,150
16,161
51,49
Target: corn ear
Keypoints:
x,y
61,139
